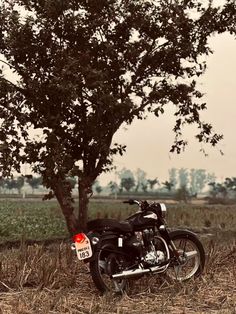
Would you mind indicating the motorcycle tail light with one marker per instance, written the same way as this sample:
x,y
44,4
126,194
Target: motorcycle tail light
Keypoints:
x,y
79,238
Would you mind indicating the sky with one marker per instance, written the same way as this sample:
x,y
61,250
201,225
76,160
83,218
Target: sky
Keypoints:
x,y
149,141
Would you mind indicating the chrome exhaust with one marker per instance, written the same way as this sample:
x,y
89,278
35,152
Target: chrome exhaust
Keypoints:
x,y
139,271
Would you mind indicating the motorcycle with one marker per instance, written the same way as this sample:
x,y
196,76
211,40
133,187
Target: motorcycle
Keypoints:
x,y
142,244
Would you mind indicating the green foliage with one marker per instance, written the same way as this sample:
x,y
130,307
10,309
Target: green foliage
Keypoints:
x,y
79,66
152,183
127,183
173,177
141,181
168,185
34,182
183,177
31,220
222,191
43,220
198,180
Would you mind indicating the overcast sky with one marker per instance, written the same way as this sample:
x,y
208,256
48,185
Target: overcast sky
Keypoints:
x,y
148,142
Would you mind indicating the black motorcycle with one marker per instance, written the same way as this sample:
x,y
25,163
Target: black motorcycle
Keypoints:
x,y
142,244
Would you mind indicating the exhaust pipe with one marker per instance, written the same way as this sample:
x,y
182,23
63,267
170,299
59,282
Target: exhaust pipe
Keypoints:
x,y
139,271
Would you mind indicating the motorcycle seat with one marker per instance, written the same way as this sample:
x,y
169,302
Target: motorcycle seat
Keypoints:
x,y
109,224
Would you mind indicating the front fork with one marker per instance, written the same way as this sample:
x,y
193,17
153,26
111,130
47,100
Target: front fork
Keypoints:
x,y
165,234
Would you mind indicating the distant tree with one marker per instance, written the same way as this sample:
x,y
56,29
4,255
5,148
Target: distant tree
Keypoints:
x,y
144,186
34,182
182,194
16,184
230,184
198,180
211,177
127,180
173,177
127,183
10,184
218,190
113,186
141,180
2,184
84,68
183,178
168,185
97,187
20,181
152,183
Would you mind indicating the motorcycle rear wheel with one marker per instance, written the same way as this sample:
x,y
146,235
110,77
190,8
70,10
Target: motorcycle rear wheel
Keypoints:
x,y
105,263
192,256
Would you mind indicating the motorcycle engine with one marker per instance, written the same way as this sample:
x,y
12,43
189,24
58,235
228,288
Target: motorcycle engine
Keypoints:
x,y
154,257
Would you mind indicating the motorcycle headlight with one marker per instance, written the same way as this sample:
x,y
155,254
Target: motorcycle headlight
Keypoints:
x,y
163,210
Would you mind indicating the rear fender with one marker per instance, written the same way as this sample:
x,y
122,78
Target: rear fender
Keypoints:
x,y
108,236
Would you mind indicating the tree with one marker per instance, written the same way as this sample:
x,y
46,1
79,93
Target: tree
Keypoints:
x,y
218,190
84,68
230,184
20,181
182,194
127,183
183,177
97,187
10,184
141,181
198,180
113,186
152,183
17,183
168,185
2,184
172,177
34,182
126,179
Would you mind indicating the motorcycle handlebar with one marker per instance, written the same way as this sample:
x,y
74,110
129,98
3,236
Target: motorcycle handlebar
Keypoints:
x,y
132,202
143,205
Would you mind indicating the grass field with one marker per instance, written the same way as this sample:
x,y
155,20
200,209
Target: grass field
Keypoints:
x,y
48,278
36,219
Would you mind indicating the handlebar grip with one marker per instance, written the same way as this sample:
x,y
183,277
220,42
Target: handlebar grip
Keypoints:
x,y
130,202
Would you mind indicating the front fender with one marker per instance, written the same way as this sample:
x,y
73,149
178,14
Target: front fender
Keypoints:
x,y
178,232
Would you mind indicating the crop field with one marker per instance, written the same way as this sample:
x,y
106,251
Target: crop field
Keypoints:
x,y
39,220
46,277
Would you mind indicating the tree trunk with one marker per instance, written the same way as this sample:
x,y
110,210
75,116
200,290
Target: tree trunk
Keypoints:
x,y
84,190
67,208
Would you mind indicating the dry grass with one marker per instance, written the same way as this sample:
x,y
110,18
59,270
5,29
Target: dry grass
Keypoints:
x,y
38,279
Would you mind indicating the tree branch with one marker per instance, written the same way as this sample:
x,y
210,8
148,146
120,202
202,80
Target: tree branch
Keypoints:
x,y
14,85
8,64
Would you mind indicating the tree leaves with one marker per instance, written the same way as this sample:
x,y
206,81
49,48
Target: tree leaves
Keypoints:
x,y
85,68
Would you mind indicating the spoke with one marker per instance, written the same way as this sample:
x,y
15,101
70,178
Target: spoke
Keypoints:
x,y
191,254
102,264
182,244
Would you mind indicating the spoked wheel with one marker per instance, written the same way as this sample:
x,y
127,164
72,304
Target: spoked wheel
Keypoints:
x,y
106,263
191,256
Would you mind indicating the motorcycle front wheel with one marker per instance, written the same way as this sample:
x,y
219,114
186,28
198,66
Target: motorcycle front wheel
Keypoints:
x,y
191,259
105,263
